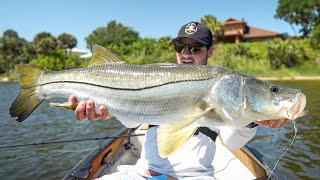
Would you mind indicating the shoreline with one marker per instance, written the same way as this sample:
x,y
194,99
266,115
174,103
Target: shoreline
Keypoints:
x,y
286,78
7,79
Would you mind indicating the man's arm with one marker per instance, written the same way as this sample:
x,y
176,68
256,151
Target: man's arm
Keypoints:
x,y
273,123
236,139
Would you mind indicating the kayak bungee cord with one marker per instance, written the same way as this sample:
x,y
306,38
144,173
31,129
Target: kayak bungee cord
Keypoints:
x,y
67,141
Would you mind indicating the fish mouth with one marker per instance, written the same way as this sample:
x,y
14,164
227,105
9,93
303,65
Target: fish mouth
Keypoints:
x,y
298,109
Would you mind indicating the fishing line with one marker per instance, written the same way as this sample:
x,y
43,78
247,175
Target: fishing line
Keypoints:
x,y
76,151
68,141
290,145
216,172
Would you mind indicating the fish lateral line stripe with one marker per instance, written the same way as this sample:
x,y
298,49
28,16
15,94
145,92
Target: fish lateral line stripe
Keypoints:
x,y
115,88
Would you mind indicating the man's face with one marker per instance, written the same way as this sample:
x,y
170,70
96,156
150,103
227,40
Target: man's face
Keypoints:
x,y
186,57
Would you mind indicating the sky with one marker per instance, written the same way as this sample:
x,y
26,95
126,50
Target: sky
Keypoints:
x,y
151,18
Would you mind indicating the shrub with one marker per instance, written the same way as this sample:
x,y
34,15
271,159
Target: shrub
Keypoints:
x,y
59,61
48,62
145,51
241,50
284,53
74,61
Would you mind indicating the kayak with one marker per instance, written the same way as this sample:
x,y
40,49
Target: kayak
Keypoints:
x,y
126,147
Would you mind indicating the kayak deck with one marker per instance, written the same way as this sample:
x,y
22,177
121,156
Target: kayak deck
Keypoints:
x,y
241,164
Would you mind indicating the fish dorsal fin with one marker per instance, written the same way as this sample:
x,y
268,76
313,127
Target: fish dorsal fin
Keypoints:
x,y
101,56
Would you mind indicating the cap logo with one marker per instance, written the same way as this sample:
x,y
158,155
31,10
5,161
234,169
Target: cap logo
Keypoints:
x,y
191,28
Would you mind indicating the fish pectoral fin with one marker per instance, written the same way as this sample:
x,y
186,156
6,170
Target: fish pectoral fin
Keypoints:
x,y
101,56
172,136
170,140
65,105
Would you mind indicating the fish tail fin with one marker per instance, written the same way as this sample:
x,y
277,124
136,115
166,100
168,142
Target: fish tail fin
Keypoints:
x,y
27,100
28,75
24,104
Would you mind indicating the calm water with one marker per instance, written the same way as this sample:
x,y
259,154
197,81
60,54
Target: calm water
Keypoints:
x,y
45,124
53,161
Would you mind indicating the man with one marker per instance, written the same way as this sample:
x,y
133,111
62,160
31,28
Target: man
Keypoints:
x,y
193,45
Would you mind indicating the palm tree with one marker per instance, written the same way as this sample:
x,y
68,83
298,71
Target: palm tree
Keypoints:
x,y
66,41
45,43
214,25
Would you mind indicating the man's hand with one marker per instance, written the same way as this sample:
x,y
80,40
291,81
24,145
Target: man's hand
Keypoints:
x,y
86,109
273,123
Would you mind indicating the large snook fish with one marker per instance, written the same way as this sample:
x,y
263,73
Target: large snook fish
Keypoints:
x,y
179,98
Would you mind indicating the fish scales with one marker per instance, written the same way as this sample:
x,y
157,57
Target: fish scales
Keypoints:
x,y
125,76
160,93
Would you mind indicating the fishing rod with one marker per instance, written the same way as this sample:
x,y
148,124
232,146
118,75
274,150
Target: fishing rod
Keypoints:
x,y
70,140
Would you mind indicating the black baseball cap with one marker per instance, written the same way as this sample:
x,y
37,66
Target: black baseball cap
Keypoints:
x,y
196,31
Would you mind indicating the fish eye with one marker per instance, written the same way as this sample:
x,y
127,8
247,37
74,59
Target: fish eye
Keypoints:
x,y
274,89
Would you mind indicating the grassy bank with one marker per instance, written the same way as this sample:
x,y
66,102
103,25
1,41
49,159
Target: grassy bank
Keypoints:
x,y
275,59
253,58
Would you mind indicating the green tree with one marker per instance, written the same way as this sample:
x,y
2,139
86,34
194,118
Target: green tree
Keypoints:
x,y
66,41
115,34
315,37
14,50
45,43
164,44
214,25
145,46
2,65
149,50
305,13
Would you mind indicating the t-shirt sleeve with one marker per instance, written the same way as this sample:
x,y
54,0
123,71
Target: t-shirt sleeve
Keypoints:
x,y
236,139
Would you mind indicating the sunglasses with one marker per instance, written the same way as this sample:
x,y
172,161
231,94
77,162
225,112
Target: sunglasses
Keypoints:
x,y
192,48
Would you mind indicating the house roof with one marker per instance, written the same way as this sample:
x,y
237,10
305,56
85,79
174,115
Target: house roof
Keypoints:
x,y
85,56
78,51
233,21
254,32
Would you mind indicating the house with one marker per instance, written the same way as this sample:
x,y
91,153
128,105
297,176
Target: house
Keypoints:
x,y
83,54
238,30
